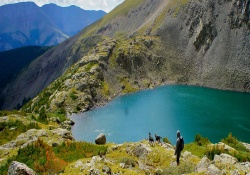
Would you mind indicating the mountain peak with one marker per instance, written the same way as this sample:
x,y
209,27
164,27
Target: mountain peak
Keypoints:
x,y
25,24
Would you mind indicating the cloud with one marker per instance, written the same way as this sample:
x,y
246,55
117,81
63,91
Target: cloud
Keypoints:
x,y
105,5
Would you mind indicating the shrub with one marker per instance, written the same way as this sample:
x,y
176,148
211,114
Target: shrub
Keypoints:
x,y
38,156
199,140
211,152
47,160
71,151
195,149
73,96
14,112
128,161
61,110
42,115
183,168
243,153
165,139
233,142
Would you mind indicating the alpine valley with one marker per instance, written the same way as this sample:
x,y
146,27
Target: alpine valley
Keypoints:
x,y
139,45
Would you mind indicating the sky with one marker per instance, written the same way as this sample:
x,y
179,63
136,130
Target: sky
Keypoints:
x,y
105,5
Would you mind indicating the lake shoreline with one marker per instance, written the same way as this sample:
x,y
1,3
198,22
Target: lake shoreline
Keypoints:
x,y
184,103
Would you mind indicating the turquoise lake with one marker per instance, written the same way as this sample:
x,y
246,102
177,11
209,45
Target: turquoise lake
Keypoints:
x,y
166,109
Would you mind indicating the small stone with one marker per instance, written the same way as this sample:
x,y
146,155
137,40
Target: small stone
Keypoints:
x,y
122,165
106,169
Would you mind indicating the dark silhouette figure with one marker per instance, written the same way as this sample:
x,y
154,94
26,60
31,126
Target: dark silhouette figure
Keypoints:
x,y
179,146
150,138
158,138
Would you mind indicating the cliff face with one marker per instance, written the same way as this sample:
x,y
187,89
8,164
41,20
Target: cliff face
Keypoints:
x,y
211,41
143,44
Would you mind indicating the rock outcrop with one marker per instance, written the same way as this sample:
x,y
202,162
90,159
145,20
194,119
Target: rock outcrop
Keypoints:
x,y
55,136
246,145
222,164
64,133
17,168
101,139
25,138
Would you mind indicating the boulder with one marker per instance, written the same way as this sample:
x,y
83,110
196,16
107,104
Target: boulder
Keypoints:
x,y
141,150
223,146
246,145
17,168
4,119
225,159
203,165
69,122
243,166
64,133
167,146
79,164
101,139
226,147
213,170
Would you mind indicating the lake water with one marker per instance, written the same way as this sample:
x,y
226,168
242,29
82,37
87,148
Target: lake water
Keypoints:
x,y
166,109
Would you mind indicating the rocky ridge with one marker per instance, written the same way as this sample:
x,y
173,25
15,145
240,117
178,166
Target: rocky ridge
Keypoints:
x,y
141,158
127,158
112,68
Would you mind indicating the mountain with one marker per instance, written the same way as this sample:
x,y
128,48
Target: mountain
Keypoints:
x,y
25,24
71,19
21,58
141,44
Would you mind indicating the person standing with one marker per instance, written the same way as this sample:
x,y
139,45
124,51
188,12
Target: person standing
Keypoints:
x,y
179,147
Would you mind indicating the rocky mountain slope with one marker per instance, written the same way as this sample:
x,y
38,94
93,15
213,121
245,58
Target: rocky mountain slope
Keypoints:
x,y
142,44
25,24
22,57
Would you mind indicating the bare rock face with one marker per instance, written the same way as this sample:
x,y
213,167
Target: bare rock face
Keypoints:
x,y
141,150
25,138
246,145
213,170
17,168
64,133
101,139
225,159
203,165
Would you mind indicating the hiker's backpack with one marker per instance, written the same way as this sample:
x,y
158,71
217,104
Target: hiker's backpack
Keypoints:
x,y
181,143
